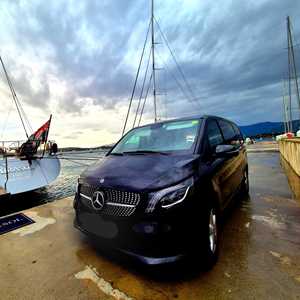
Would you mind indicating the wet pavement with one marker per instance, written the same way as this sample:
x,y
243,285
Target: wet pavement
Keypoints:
x,y
259,258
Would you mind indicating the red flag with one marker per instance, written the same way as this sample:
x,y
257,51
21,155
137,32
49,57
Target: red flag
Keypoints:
x,y
41,135
29,148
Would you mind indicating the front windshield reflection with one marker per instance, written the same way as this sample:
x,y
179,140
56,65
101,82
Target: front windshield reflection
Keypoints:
x,y
177,136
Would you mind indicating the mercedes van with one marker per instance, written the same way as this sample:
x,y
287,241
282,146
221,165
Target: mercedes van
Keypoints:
x,y
160,191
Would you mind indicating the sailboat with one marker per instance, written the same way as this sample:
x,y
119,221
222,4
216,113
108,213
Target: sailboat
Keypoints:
x,y
150,78
27,165
290,124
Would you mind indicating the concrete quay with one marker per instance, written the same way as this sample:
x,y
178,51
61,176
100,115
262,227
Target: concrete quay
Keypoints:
x,y
259,259
290,150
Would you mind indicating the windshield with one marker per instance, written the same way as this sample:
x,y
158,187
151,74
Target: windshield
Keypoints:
x,y
177,136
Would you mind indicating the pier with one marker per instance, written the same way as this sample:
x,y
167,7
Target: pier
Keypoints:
x,y
260,256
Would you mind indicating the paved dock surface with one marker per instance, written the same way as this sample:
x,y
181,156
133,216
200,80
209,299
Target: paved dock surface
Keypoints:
x,y
260,253
264,146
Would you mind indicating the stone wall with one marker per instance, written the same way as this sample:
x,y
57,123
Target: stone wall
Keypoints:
x,y
290,150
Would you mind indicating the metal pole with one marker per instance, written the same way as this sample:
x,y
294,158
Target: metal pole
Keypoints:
x,y
47,136
294,63
153,59
289,68
285,109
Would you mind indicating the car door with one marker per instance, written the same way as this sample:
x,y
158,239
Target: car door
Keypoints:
x,y
233,173
217,165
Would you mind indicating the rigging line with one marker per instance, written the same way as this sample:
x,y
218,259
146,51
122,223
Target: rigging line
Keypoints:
x,y
74,161
136,78
5,123
80,158
175,60
68,159
153,60
142,91
20,105
15,97
295,36
142,111
177,81
294,65
284,107
24,114
12,91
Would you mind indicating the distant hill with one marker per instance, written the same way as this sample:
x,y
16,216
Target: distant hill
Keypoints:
x,y
267,128
104,148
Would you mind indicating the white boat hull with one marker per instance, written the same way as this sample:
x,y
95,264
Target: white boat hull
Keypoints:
x,y
25,177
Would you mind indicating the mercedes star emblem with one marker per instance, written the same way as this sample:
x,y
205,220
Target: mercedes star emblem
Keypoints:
x,y
98,200
101,180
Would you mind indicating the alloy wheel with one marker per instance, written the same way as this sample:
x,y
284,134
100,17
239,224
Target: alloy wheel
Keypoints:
x,y
213,231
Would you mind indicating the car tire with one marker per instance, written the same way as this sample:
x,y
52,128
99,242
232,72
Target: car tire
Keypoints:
x,y
209,243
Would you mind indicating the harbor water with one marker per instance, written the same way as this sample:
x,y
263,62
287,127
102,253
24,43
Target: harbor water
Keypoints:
x,y
72,165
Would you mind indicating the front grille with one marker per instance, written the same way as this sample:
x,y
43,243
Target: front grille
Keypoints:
x,y
117,203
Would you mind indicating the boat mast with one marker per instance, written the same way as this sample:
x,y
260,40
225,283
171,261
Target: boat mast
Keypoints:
x,y
292,67
285,107
290,118
153,59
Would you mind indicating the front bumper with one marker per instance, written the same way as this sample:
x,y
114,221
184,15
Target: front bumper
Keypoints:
x,y
147,238
148,260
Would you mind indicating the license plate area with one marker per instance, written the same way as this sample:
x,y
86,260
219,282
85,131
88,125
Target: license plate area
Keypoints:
x,y
95,224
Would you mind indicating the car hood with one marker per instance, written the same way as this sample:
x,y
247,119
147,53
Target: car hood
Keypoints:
x,y
140,172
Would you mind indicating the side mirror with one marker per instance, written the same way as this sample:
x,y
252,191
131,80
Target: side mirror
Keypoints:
x,y
226,151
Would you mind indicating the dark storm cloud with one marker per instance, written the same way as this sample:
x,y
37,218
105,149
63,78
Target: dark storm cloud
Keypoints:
x,y
232,52
57,26
241,52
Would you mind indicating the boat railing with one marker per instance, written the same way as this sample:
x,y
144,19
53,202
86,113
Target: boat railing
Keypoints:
x,y
6,146
6,172
13,144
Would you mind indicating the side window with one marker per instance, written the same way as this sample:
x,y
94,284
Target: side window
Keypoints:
x,y
214,135
237,131
227,130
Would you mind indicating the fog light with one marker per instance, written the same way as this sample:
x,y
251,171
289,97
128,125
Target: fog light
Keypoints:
x,y
148,228
151,228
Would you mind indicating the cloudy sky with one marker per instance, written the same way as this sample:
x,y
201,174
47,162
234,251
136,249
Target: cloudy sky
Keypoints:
x,y
78,59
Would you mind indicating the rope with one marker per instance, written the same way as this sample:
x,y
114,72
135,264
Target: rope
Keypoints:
x,y
68,159
175,60
142,111
141,95
136,78
15,98
176,80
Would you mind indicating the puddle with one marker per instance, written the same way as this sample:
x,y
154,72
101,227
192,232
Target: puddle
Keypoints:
x,y
270,221
90,273
40,223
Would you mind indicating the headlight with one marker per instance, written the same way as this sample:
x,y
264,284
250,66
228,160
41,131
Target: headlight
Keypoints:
x,y
170,196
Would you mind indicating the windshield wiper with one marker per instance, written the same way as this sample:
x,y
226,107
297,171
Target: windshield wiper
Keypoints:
x,y
116,153
146,152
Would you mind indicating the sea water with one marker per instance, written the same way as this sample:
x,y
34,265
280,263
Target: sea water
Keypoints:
x,y
72,165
